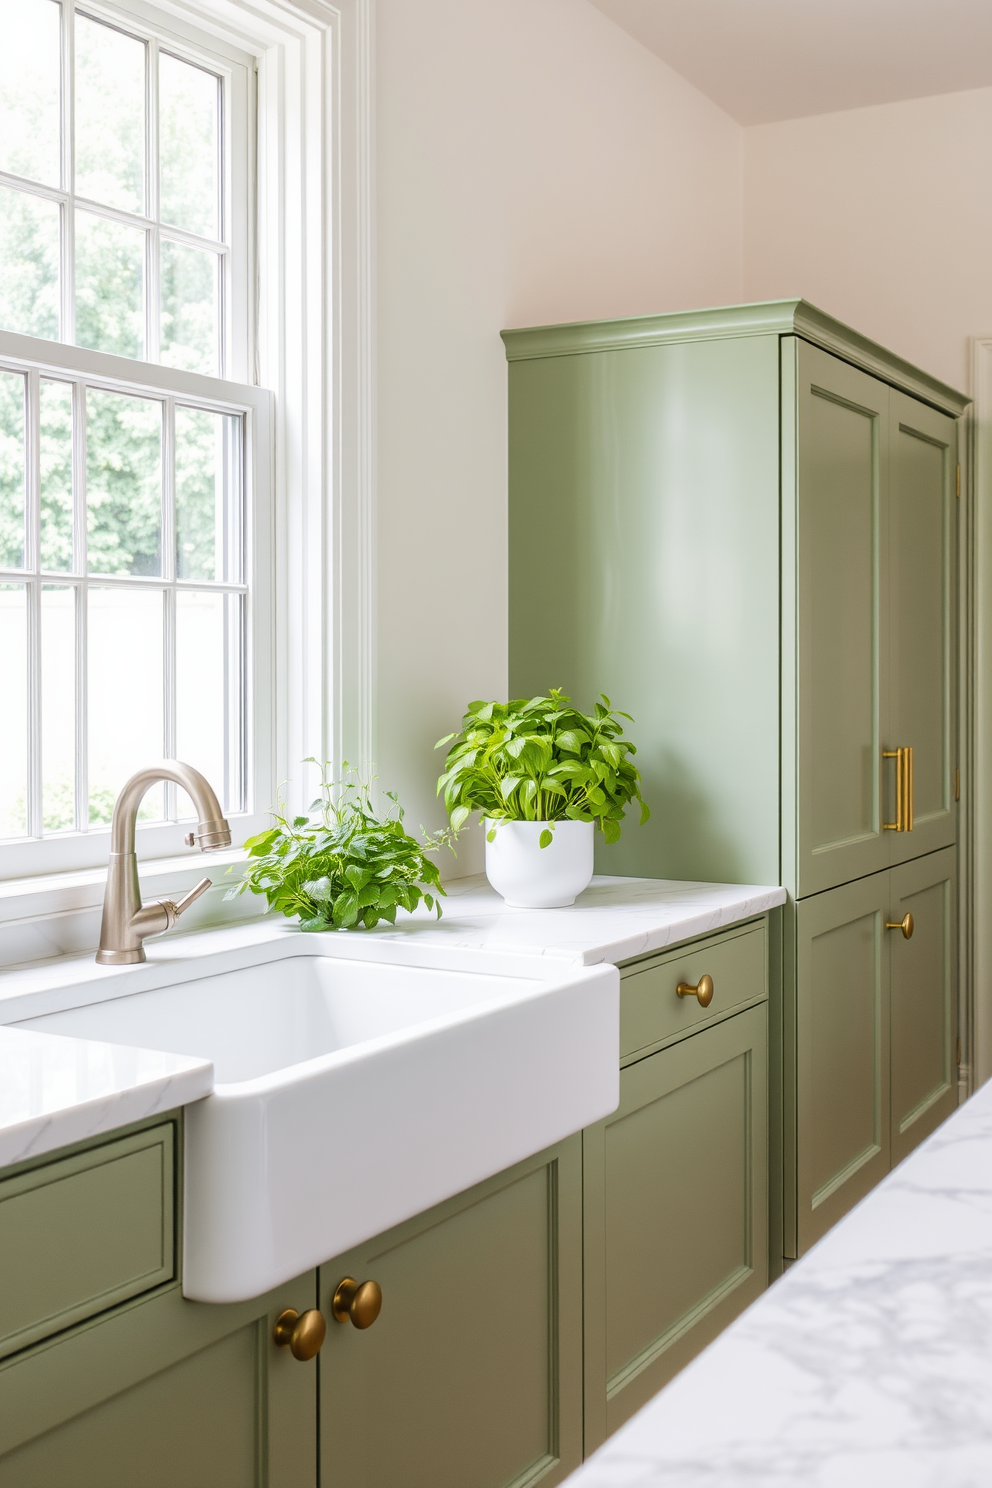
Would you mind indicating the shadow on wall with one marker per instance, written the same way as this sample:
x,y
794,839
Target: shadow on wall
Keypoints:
x,y
685,837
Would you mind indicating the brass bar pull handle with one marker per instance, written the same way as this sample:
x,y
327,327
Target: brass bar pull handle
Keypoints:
x,y
703,991
904,790
905,925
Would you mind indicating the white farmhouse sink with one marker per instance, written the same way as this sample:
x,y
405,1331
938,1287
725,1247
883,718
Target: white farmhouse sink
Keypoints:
x,y
352,1094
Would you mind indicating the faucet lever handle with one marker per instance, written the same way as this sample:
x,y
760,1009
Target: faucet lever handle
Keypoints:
x,y
194,894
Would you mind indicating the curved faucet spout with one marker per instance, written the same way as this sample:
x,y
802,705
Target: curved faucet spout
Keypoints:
x,y
126,921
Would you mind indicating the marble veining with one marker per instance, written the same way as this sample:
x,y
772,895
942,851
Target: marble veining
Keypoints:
x,y
868,1365
55,1090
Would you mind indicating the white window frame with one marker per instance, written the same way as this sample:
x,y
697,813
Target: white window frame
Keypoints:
x,y
71,851
315,354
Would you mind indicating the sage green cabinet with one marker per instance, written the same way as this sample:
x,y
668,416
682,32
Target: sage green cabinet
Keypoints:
x,y
923,999
875,607
754,520
676,1213
876,1031
472,1372
153,1390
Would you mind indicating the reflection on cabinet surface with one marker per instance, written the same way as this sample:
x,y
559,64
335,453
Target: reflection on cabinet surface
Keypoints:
x,y
876,1030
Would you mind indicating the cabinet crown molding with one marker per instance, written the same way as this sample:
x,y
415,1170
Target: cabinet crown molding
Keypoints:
x,y
772,318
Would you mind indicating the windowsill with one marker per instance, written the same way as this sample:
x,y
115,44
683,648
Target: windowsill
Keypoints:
x,y
55,893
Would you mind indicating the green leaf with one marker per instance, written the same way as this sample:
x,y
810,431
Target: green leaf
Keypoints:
x,y
546,838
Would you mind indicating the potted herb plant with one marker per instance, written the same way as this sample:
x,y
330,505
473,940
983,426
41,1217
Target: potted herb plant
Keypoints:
x,y
544,776
343,866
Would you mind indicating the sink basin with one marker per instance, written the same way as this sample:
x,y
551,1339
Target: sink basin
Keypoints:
x,y
352,1094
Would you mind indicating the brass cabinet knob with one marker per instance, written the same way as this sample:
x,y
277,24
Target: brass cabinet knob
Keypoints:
x,y
905,925
357,1301
301,1333
703,990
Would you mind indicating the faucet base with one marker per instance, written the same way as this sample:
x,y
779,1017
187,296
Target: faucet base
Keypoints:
x,y
120,958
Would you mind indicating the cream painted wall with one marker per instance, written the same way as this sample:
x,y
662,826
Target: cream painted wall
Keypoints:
x,y
535,164
881,216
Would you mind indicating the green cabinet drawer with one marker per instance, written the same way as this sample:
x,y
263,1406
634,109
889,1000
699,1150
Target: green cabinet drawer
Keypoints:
x,y
652,1012
83,1233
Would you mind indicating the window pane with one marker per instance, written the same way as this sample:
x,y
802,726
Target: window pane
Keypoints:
x,y
208,495
14,691
110,286
110,116
58,708
208,689
29,264
56,475
189,117
123,483
30,70
189,308
124,642
12,388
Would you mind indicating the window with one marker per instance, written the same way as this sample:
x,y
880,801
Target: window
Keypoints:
x,y
133,500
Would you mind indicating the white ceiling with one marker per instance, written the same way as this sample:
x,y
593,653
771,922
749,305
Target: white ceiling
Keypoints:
x,y
783,59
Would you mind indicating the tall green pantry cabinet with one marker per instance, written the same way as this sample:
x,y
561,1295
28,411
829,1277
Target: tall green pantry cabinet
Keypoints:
x,y
741,524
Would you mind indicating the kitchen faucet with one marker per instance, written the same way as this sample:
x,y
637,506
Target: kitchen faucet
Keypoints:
x,y
126,921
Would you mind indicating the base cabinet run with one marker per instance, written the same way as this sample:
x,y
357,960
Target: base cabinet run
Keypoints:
x,y
521,1321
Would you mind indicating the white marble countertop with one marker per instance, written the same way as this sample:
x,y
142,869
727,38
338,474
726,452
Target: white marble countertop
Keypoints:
x,y
868,1365
55,1090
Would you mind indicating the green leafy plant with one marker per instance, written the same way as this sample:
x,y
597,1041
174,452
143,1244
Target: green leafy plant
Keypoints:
x,y
343,865
541,760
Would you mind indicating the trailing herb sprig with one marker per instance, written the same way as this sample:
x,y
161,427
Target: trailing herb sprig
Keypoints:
x,y
541,760
343,865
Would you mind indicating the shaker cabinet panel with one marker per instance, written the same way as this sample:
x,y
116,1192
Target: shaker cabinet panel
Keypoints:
x,y
843,419
842,1031
923,999
164,1393
920,671
675,1213
472,1372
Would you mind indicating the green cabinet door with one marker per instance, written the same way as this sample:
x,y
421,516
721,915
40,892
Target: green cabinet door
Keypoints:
x,y
164,1393
842,439
675,1213
842,1051
471,1376
921,665
923,998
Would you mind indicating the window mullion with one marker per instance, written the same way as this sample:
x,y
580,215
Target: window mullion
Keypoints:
x,y
152,207
68,210
81,566
169,574
32,542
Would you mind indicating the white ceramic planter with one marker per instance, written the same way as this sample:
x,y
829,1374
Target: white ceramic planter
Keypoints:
x,y
533,877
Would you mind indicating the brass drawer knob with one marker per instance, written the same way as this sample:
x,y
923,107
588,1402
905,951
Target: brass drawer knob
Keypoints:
x,y
702,991
301,1333
905,925
357,1301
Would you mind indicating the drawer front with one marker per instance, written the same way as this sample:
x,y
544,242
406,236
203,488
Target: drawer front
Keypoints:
x,y
651,1011
80,1235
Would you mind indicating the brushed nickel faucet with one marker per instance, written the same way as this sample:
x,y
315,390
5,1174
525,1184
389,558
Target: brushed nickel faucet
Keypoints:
x,y
126,921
